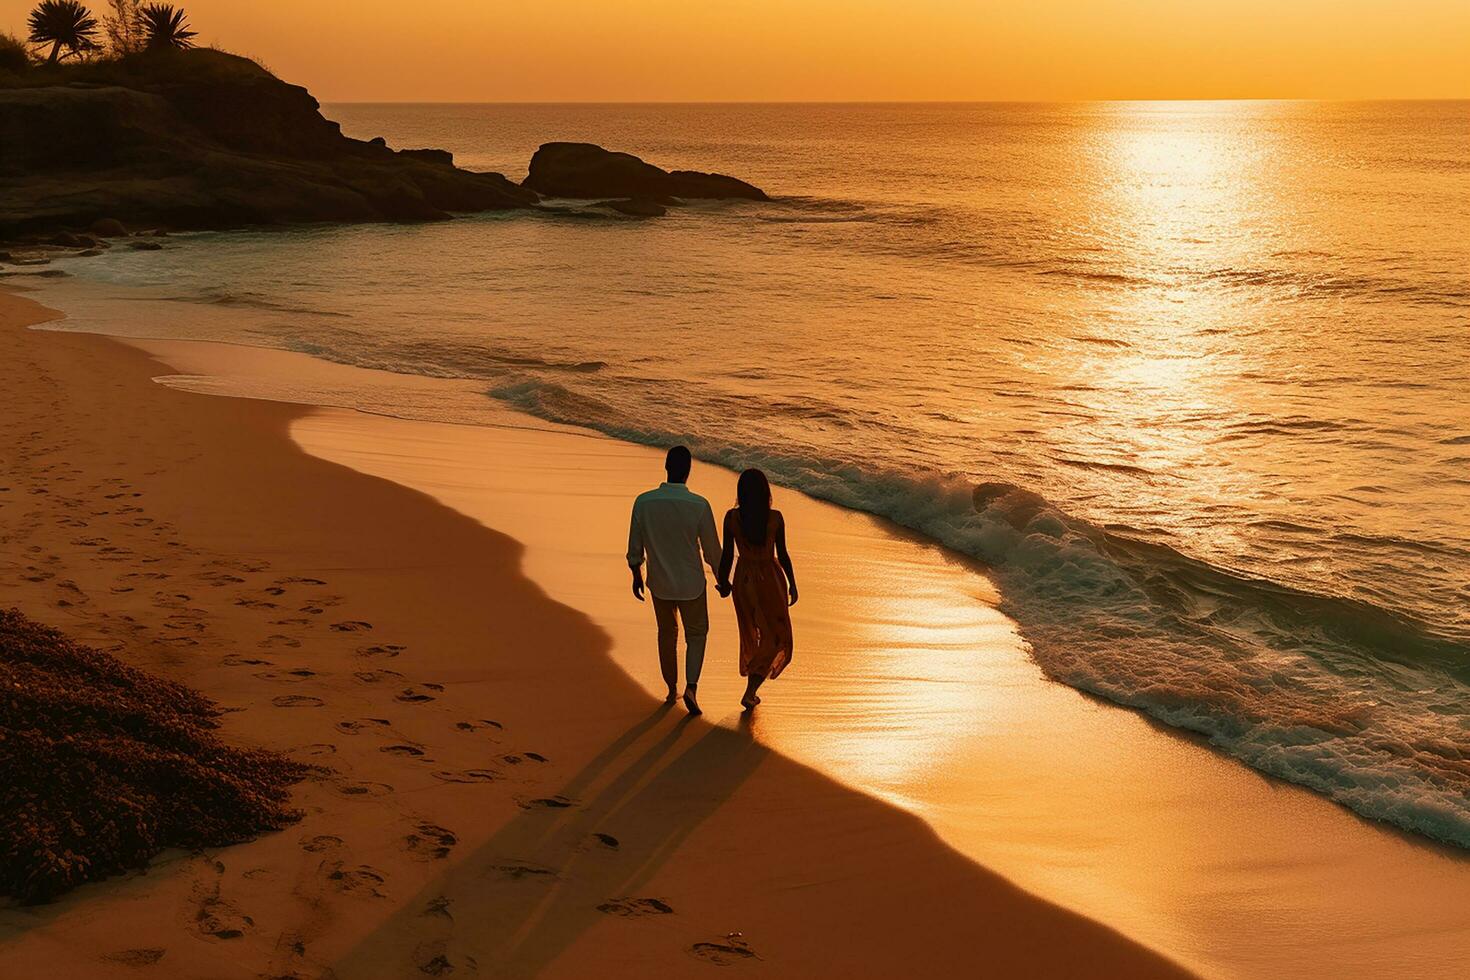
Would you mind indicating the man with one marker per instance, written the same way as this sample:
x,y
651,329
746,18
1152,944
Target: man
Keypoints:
x,y
675,527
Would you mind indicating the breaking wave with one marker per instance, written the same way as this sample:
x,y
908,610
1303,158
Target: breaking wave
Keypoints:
x,y
1359,703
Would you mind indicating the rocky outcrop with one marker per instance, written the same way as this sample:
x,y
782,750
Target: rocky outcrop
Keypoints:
x,y
635,207
204,139
586,170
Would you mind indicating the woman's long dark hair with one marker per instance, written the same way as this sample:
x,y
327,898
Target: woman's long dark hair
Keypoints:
x,y
753,497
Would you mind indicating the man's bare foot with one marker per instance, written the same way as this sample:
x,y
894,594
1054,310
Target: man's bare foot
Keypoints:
x,y
690,703
672,696
750,701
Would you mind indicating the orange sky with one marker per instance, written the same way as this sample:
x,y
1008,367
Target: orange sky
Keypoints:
x,y
688,50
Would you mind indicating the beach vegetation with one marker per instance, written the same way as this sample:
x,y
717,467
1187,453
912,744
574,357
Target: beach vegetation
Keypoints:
x,y
14,55
124,28
106,765
66,26
166,26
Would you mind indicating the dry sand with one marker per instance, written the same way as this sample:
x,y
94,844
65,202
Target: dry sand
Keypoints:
x,y
504,800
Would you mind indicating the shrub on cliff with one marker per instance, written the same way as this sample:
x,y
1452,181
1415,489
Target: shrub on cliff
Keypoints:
x,y
63,24
166,26
106,765
15,57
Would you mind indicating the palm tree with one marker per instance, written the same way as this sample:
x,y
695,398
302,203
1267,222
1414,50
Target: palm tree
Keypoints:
x,y
165,26
63,24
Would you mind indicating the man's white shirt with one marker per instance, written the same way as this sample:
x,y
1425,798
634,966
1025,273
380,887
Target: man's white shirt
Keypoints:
x,y
673,526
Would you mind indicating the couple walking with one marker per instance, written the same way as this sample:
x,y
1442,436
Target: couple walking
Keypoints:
x,y
673,527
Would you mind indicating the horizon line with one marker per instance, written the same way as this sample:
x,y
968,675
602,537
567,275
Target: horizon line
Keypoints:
x,y
795,102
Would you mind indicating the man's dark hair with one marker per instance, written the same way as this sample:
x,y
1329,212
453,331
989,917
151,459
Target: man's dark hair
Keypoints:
x,y
677,464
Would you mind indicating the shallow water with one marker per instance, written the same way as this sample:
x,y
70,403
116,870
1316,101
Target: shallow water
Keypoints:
x,y
1187,376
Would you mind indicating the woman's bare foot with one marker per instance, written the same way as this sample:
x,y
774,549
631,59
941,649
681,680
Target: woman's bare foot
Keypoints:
x,y
690,703
750,701
672,696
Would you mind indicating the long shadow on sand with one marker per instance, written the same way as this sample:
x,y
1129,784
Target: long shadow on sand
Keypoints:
x,y
570,861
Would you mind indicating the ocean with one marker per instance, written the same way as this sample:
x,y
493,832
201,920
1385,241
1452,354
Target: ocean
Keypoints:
x,y
1188,378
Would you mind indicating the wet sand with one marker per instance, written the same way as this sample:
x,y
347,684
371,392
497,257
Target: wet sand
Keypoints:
x,y
501,799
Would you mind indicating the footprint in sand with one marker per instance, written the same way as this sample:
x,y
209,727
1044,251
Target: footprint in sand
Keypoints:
x,y
410,696
235,660
218,918
351,727
466,775
381,650
255,603
439,905
516,760
725,952
606,840
294,621
319,843
632,908
377,676
318,749
279,640
430,841
364,789
286,677
431,959
475,726
408,750
351,626
523,872
297,701
219,579
136,957
361,880
547,803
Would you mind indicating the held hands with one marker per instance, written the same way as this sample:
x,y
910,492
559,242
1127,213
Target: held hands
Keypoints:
x,y
724,589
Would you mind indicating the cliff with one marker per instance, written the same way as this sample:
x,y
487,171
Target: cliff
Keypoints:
x,y
204,139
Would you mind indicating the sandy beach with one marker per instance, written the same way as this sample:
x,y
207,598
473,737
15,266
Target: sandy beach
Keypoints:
x,y
502,798
436,614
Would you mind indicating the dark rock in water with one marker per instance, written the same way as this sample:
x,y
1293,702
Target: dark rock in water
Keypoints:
x,y
109,228
144,246
443,157
88,253
66,240
638,207
586,170
204,139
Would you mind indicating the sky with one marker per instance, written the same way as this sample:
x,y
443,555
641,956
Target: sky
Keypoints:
x,y
843,50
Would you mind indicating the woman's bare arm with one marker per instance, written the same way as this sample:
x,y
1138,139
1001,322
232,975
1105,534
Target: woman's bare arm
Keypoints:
x,y
727,556
784,557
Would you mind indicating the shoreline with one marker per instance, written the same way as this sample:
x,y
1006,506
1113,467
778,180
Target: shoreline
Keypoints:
x,y
1265,886
230,505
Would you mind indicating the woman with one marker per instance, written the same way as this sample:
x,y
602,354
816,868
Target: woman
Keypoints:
x,y
762,592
